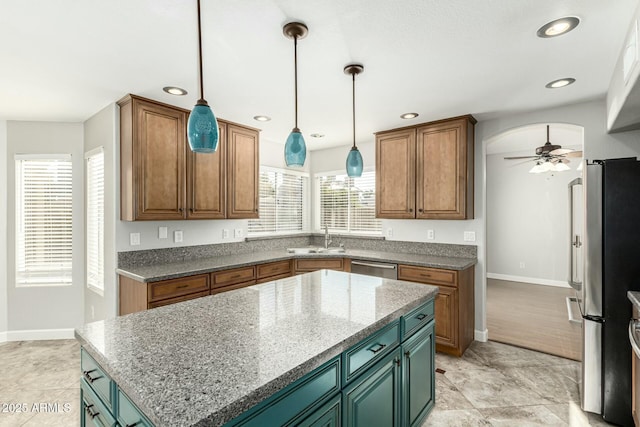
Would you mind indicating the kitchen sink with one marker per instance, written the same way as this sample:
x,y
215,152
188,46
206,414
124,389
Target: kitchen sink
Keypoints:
x,y
315,250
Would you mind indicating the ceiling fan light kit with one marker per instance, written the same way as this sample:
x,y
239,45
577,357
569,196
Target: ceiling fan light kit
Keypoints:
x,y
202,127
295,149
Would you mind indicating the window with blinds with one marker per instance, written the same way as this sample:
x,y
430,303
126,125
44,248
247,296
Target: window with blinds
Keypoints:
x,y
43,220
348,205
283,201
94,215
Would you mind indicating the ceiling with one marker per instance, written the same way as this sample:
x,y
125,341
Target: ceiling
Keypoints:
x,y
66,60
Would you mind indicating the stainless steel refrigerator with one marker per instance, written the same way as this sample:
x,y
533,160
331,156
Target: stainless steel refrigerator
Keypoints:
x,y
611,268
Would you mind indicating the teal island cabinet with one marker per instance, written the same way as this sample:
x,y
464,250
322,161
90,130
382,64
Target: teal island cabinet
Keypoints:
x,y
325,348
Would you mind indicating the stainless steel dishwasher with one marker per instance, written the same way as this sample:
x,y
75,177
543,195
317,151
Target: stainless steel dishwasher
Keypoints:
x,y
374,268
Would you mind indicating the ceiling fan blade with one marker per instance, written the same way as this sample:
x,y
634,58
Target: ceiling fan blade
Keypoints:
x,y
521,157
560,151
574,154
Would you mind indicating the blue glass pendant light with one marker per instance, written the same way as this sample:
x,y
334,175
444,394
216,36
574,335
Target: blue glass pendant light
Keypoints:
x,y
354,159
202,128
295,150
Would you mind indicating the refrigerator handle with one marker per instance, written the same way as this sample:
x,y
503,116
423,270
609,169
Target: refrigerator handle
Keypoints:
x,y
572,283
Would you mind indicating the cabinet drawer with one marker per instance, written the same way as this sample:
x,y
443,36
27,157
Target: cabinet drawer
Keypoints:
x,y
231,277
94,412
231,287
178,299
129,414
359,358
278,277
176,287
414,320
301,397
273,269
96,378
318,264
434,276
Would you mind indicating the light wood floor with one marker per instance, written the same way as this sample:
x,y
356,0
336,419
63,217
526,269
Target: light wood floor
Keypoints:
x,y
532,316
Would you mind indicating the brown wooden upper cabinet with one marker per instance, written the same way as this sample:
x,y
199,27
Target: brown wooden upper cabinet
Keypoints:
x,y
426,171
162,179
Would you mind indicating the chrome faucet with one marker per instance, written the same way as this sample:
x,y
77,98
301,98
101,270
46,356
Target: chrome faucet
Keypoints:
x,y
327,238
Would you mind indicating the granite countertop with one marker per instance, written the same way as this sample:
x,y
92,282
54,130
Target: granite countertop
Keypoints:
x,y
634,297
206,361
182,268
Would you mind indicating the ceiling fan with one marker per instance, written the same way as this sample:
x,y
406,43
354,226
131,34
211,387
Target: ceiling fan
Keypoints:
x,y
550,153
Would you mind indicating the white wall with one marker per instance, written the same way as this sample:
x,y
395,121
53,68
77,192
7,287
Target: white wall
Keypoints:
x,y
528,220
598,144
3,233
202,232
56,309
100,131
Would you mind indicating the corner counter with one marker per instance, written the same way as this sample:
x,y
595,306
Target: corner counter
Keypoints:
x,y
207,361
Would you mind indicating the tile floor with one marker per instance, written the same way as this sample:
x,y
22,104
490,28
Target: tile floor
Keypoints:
x,y
493,384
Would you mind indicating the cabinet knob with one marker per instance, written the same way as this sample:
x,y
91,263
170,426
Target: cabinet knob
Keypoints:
x,y
180,209
410,209
396,361
408,354
420,210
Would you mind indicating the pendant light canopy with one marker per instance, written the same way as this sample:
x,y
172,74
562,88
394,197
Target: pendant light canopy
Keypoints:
x,y
202,128
295,149
354,158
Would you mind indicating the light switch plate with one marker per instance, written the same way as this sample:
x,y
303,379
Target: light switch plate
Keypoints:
x,y
225,233
389,232
134,239
238,233
431,234
177,236
162,232
469,236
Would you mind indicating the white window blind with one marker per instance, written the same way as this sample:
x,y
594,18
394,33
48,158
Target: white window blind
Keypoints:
x,y
348,205
283,196
95,218
43,220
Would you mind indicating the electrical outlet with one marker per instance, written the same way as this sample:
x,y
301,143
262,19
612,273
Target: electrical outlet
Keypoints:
x,y
177,236
389,232
238,233
521,264
469,236
134,239
431,234
162,232
225,233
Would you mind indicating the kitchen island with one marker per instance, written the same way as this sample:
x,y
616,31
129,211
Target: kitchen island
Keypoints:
x,y
293,350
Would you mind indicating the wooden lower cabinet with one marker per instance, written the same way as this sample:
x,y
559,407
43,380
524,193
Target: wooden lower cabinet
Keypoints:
x,y
177,299
273,270
454,305
305,265
138,296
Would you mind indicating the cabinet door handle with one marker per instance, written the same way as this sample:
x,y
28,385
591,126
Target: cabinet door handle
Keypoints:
x,y
88,377
90,411
380,347
396,361
182,286
421,316
133,425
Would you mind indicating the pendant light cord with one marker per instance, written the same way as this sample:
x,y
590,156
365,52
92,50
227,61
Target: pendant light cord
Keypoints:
x,y
295,72
353,104
200,54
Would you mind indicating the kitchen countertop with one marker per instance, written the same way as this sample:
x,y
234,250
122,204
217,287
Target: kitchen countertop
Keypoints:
x,y
182,268
634,297
206,361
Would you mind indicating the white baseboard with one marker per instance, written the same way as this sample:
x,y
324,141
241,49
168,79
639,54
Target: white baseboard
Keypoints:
x,y
3,337
40,334
481,335
534,280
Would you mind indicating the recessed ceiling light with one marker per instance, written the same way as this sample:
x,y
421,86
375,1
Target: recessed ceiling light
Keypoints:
x,y
262,118
317,135
409,115
558,27
560,83
173,90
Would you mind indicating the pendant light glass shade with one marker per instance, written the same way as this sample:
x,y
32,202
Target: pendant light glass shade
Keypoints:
x,y
295,150
202,127
354,163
